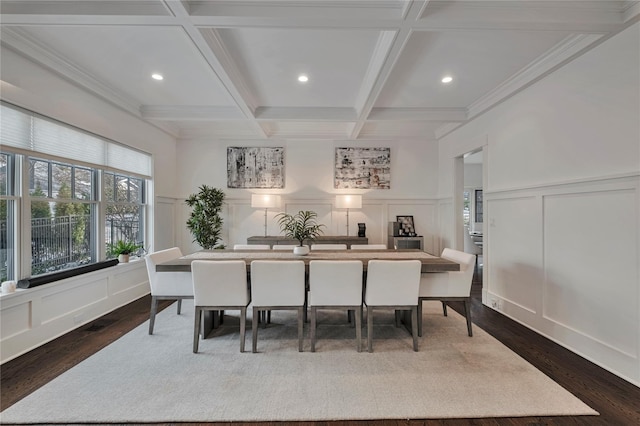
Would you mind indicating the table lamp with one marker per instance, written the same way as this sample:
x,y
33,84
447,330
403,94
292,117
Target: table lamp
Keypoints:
x,y
265,201
348,202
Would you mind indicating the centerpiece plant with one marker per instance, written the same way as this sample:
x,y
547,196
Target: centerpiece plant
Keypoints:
x,y
302,226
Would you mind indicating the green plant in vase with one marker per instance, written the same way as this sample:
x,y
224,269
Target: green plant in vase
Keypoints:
x,y
302,226
123,249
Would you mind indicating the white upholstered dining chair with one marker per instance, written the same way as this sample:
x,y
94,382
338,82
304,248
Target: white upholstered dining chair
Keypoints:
x,y
217,286
449,286
166,285
328,246
277,285
368,247
284,247
335,285
392,284
252,247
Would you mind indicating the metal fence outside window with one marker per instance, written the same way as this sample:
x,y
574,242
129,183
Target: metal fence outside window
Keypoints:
x,y
65,242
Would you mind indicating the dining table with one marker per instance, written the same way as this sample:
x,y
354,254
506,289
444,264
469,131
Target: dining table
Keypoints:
x,y
430,263
211,320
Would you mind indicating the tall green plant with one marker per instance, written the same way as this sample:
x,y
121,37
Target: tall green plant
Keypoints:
x,y
205,223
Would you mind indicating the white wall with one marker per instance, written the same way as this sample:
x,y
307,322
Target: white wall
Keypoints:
x,y
561,204
309,169
35,316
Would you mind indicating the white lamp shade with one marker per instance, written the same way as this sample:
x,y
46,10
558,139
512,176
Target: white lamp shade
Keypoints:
x,y
348,201
265,201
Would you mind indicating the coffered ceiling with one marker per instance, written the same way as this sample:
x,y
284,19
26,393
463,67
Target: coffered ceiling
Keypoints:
x,y
230,68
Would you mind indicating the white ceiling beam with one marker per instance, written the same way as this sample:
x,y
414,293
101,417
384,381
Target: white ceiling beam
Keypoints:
x,y
212,49
418,114
305,114
190,113
379,70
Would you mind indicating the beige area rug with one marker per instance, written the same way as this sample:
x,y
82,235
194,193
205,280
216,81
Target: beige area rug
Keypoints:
x,y
142,378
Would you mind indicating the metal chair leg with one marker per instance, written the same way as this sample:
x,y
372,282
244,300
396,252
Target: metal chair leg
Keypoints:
x,y
254,330
312,328
152,315
300,327
369,328
243,327
444,308
414,327
358,315
467,312
196,329
420,318
179,306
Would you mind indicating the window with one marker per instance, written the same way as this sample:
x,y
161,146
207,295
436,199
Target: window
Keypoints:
x,y
125,198
83,191
478,205
466,209
8,255
63,215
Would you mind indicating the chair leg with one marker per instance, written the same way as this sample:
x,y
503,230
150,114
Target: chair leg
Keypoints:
x,y
179,306
196,329
369,328
154,311
444,308
243,327
263,316
358,315
467,312
312,328
420,318
254,330
414,327
301,310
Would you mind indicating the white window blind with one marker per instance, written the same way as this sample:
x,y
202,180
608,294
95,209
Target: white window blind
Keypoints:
x,y
30,133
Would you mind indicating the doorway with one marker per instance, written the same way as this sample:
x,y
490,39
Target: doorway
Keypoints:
x,y
473,209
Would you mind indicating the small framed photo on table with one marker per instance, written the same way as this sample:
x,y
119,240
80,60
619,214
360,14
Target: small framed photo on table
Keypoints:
x,y
405,226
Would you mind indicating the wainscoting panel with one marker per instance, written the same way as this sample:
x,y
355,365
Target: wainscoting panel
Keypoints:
x,y
65,300
515,271
596,281
564,260
446,225
164,223
31,317
16,319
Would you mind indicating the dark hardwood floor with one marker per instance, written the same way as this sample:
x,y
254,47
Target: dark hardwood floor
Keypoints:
x,y
617,401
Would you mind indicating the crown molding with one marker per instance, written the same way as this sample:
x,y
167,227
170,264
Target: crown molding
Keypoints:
x,y
49,58
556,56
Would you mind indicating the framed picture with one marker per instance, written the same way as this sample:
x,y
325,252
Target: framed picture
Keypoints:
x,y
255,167
368,168
405,226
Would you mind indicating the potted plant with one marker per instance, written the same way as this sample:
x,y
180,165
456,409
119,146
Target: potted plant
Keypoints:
x,y
205,223
302,227
123,250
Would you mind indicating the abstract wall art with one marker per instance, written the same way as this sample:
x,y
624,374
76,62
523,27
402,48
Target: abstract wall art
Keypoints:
x,y
255,167
362,168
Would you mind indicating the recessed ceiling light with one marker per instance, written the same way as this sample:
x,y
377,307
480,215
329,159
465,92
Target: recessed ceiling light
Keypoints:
x,y
157,76
302,78
447,79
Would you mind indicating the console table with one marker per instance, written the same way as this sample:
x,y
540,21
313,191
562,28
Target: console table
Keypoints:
x,y
406,242
325,239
